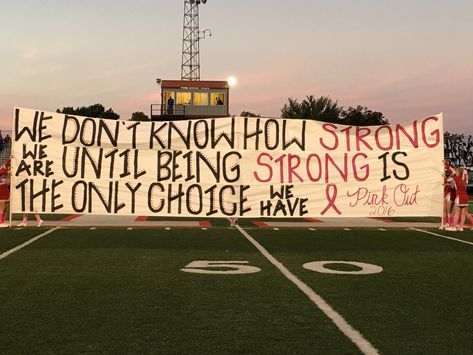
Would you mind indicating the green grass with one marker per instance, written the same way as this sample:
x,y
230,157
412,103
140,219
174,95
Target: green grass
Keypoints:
x,y
121,291
420,303
11,238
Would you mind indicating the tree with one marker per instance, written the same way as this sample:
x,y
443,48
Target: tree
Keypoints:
x,y
96,110
321,109
326,110
361,116
139,116
248,114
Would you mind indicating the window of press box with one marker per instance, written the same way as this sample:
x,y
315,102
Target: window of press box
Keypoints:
x,y
201,98
183,98
217,99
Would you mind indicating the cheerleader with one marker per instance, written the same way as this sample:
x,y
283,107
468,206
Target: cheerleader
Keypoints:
x,y
4,193
449,195
460,177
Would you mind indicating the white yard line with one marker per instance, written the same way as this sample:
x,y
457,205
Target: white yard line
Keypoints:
x,y
28,242
351,333
441,236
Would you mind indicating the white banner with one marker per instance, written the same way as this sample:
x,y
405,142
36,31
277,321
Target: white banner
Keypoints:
x,y
234,166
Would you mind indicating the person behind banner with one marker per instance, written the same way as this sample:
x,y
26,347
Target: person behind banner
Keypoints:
x,y
460,177
24,222
449,195
233,221
4,193
453,196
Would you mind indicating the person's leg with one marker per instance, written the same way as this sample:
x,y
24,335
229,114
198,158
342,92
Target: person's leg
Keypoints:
x,y
451,213
462,218
6,212
443,224
470,218
2,212
39,221
455,217
24,221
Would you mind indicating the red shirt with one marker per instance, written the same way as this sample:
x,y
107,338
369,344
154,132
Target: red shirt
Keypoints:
x,y
460,186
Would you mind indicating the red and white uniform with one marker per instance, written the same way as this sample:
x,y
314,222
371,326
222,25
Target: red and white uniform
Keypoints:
x,y
449,192
4,184
461,198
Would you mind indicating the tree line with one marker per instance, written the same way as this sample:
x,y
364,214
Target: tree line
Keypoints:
x,y
322,109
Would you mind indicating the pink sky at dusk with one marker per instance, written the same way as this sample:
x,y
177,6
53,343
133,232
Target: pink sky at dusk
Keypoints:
x,y
405,59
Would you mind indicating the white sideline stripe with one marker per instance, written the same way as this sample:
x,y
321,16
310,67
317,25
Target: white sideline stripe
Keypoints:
x,y
351,333
28,242
441,236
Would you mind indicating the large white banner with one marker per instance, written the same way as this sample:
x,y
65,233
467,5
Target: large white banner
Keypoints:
x,y
234,166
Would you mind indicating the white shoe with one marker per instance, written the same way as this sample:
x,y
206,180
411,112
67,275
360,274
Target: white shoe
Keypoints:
x,y
442,227
40,223
451,229
460,229
4,225
22,224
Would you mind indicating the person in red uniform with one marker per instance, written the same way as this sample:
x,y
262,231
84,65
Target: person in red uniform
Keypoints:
x,y
4,193
460,177
449,195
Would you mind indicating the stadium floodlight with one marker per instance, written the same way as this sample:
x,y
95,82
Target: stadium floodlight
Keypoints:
x,y
197,2
232,81
204,32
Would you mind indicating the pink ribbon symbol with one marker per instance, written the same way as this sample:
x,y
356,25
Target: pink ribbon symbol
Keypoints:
x,y
331,197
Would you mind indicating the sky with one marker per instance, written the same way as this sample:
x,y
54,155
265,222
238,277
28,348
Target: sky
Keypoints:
x,y
406,58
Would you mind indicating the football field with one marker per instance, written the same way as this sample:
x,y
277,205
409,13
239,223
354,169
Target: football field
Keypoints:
x,y
235,290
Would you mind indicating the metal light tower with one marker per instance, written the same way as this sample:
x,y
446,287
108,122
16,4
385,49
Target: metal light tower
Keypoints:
x,y
190,69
